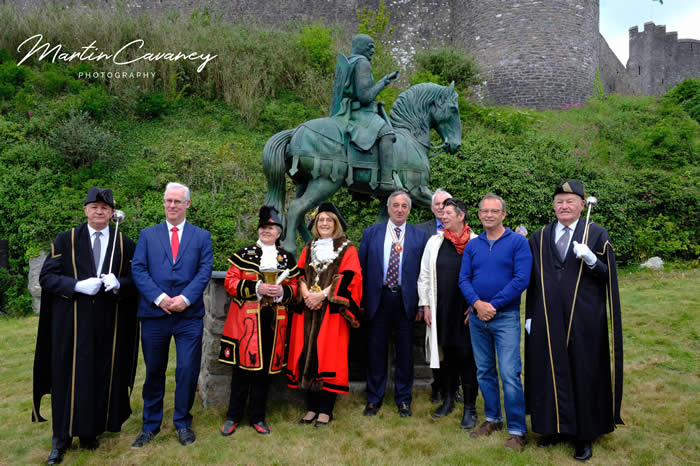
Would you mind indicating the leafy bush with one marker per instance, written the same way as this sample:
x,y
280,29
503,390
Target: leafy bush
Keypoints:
x,y
151,105
95,101
317,43
80,141
687,94
51,82
451,64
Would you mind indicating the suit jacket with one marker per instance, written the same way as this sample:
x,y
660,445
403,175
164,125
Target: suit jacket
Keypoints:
x,y
372,263
154,271
429,227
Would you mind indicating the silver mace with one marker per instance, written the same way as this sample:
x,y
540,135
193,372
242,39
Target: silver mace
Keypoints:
x,y
590,202
117,216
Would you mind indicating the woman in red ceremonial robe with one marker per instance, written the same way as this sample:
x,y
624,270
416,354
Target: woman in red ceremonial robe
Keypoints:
x,y
254,335
330,288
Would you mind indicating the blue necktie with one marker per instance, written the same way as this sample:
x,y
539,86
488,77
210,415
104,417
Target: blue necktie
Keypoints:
x,y
392,270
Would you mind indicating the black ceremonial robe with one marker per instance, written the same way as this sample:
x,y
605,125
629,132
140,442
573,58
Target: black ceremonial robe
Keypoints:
x,y
86,346
571,387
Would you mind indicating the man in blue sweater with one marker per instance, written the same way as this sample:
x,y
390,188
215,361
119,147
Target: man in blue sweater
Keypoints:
x,y
495,272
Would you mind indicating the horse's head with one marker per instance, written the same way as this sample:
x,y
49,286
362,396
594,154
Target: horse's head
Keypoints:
x,y
445,118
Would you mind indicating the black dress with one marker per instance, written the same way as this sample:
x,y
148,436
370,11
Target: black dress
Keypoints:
x,y
453,335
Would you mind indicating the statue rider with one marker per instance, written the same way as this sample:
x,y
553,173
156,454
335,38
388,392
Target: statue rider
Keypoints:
x,y
354,99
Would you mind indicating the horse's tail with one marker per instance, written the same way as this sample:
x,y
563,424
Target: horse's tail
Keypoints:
x,y
274,167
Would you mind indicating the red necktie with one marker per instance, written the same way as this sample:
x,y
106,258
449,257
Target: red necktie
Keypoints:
x,y
174,243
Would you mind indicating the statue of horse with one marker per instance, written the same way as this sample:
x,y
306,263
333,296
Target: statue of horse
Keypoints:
x,y
319,159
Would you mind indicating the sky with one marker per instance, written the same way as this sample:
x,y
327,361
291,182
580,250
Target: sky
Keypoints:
x,y
617,16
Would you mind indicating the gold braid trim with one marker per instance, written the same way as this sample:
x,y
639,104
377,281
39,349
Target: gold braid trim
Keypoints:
x,y
549,344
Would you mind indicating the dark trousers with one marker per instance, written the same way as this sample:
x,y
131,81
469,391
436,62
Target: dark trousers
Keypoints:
x,y
390,319
458,364
321,401
155,343
251,387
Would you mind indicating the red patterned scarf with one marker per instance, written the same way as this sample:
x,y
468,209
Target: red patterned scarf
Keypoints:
x,y
459,241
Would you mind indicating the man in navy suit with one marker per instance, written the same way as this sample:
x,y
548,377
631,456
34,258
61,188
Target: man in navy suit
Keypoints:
x,y
171,267
390,255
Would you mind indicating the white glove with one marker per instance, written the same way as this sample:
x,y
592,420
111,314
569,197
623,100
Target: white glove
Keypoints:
x,y
89,286
111,282
583,252
528,323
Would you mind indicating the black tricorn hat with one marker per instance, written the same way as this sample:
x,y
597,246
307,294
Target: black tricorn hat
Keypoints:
x,y
329,207
100,195
269,216
572,187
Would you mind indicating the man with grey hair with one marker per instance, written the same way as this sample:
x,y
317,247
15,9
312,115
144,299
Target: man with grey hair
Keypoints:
x,y
171,267
390,255
495,271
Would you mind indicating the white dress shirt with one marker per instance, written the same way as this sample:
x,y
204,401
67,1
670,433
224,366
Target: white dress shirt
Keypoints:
x,y
104,241
559,231
388,241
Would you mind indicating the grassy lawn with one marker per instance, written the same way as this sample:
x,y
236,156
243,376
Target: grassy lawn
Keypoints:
x,y
661,407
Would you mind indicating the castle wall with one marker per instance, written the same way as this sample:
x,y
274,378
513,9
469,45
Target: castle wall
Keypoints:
x,y
613,73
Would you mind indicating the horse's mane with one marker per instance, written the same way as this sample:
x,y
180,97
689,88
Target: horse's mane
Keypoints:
x,y
412,106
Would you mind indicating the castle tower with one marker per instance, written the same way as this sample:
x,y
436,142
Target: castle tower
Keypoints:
x,y
658,60
541,54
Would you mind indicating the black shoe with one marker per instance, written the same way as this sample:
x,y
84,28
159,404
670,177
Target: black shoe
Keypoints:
x,y
550,440
186,436
405,410
459,398
324,424
469,418
143,439
446,407
261,428
229,427
435,395
371,409
89,443
56,455
306,422
584,451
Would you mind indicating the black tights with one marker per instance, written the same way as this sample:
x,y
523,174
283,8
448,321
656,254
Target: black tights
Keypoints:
x,y
458,364
321,401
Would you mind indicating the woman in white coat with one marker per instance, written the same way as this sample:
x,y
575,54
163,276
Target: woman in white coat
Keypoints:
x,y
445,311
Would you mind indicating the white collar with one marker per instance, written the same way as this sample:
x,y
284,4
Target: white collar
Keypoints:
x,y
392,226
179,226
560,227
104,231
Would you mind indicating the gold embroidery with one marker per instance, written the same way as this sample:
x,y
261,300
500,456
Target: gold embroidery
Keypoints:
x,y
549,344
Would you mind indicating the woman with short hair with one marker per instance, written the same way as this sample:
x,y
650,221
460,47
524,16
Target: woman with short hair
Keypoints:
x,y
445,311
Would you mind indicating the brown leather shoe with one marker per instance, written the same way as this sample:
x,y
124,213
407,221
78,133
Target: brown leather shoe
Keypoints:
x,y
516,442
486,429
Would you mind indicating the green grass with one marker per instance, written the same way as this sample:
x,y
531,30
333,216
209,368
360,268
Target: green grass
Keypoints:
x,y
661,318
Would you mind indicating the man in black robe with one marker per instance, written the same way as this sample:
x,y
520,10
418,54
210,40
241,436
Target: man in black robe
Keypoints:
x,y
87,340
572,390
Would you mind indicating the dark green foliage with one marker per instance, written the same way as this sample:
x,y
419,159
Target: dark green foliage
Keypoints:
x,y
287,111
50,82
80,141
95,101
151,105
687,94
450,64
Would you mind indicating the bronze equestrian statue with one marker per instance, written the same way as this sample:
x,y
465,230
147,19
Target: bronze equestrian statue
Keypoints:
x,y
357,139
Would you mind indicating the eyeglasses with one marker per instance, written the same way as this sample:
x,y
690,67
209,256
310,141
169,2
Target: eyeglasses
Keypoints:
x,y
490,211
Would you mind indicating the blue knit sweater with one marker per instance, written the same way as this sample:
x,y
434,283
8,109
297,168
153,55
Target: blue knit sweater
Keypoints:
x,y
498,273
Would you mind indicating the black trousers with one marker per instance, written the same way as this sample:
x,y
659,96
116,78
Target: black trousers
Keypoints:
x,y
321,401
458,363
251,387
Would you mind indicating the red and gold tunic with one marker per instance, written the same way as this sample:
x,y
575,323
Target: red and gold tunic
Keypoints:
x,y
241,342
318,342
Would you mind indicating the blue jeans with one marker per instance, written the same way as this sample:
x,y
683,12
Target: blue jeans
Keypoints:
x,y
500,337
